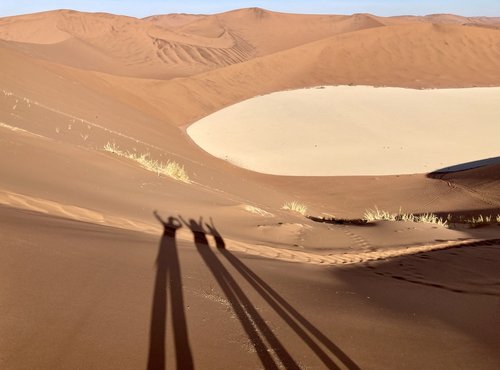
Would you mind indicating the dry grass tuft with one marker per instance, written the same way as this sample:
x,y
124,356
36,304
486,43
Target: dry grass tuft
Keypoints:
x,y
295,207
378,215
171,169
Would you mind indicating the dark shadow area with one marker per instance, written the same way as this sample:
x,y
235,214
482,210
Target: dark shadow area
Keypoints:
x,y
247,314
219,241
341,221
168,273
252,322
462,218
458,287
478,289
465,166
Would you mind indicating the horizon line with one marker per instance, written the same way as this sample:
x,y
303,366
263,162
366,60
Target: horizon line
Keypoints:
x,y
246,8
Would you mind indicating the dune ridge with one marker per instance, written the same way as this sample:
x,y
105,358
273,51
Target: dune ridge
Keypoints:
x,y
154,47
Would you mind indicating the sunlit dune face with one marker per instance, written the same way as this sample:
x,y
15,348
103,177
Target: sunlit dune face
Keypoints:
x,y
354,130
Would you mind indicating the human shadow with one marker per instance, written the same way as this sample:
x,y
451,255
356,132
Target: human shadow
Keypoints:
x,y
168,272
298,323
250,319
329,354
219,241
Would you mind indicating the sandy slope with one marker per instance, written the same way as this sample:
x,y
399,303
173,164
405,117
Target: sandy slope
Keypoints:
x,y
179,45
403,56
171,45
58,110
95,305
484,182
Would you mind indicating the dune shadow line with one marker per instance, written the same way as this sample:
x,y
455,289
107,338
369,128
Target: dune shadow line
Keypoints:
x,y
465,166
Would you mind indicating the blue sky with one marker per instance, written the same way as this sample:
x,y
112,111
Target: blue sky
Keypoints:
x,y
144,8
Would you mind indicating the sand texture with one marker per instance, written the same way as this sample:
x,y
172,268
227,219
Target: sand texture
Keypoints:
x,y
349,131
109,261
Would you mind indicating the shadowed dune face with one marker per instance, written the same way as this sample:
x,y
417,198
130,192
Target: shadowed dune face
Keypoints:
x,y
484,181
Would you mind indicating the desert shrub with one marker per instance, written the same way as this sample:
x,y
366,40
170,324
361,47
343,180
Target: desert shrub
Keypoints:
x,y
171,169
295,207
376,214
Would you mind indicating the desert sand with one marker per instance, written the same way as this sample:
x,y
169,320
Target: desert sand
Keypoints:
x,y
354,131
221,275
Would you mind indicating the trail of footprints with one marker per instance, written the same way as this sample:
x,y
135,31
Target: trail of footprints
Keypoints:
x,y
360,256
358,239
352,257
478,282
260,250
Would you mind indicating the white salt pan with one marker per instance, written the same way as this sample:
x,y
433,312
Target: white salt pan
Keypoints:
x,y
355,130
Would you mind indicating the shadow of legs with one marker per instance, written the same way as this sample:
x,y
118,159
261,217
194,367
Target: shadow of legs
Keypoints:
x,y
241,305
156,357
288,313
246,313
168,271
183,355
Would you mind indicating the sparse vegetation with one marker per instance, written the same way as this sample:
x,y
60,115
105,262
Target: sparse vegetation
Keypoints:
x,y
257,210
475,221
479,221
295,207
171,169
376,214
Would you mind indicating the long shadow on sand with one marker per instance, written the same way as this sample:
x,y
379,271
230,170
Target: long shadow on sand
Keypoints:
x,y
168,272
241,305
247,314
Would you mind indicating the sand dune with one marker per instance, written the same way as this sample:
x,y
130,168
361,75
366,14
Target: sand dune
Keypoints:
x,y
181,45
83,258
376,56
122,45
171,45
483,182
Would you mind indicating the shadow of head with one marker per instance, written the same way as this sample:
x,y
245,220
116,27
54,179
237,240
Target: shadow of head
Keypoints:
x,y
170,225
219,241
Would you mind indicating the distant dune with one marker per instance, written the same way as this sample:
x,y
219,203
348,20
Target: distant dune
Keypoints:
x,y
181,45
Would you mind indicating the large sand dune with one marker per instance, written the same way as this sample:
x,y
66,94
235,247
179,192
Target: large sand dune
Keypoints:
x,y
83,259
158,47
